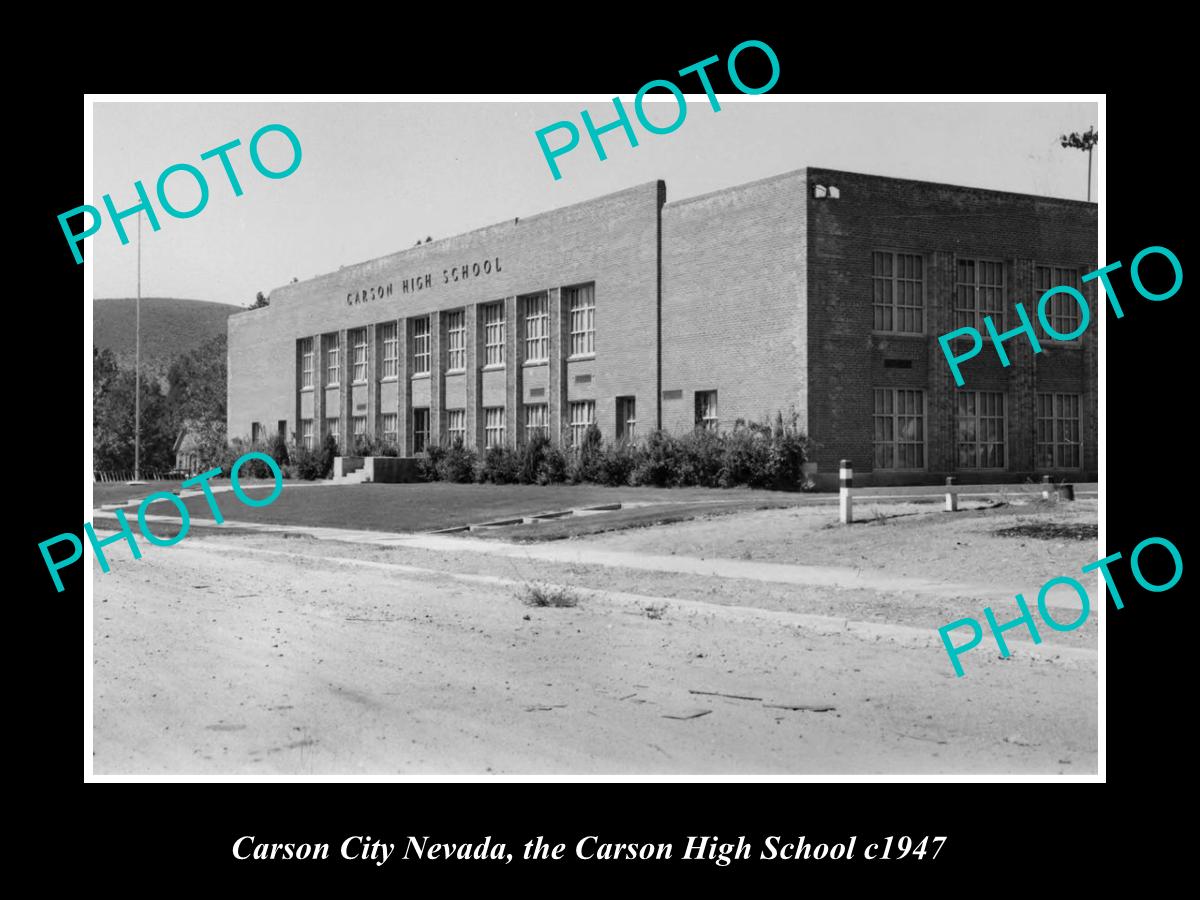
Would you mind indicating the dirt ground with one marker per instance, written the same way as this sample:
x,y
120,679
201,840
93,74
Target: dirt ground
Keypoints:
x,y
251,653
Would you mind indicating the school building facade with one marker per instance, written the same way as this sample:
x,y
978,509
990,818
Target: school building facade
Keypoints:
x,y
817,292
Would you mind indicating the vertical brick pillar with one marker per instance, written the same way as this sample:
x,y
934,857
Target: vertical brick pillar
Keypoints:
x,y
1022,371
557,380
437,375
514,368
1089,425
473,322
372,384
319,358
296,393
404,387
345,444
939,411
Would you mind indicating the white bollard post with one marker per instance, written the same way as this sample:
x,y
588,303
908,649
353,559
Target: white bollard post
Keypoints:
x,y
951,495
1046,487
846,503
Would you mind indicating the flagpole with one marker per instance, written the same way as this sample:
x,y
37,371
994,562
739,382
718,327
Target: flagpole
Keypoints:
x,y
137,364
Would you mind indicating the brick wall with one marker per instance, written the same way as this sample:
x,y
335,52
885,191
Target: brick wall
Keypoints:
x,y
611,241
939,222
733,288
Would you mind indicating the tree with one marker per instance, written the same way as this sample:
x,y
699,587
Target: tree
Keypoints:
x,y
261,301
197,383
113,420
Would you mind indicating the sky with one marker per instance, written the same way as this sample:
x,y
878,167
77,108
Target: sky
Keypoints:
x,y
376,177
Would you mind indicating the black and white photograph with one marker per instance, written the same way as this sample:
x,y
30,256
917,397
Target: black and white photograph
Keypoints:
x,y
680,435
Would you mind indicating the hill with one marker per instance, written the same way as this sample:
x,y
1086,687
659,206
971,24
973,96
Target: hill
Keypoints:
x,y
169,327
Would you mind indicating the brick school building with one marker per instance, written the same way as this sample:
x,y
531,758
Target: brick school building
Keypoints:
x,y
817,291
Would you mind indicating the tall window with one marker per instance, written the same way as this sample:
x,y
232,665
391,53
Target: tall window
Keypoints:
x,y
626,418
456,424
706,410
581,301
306,433
535,420
388,337
493,334
256,432
978,292
420,429
333,366
456,343
358,344
493,426
420,348
899,288
333,427
388,431
358,428
306,363
899,429
1058,431
537,327
979,416
583,414
1062,312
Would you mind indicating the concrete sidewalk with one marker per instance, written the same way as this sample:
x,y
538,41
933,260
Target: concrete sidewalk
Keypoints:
x,y
574,553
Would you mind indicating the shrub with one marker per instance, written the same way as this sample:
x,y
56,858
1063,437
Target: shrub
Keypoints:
x,y
614,464
500,465
457,463
531,457
699,459
553,467
364,445
306,464
326,455
655,462
547,595
428,467
277,449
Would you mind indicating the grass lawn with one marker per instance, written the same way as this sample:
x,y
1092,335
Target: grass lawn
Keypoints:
x,y
428,507
115,492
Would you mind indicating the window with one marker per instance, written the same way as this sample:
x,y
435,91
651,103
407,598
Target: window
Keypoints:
x,y
388,427
1058,431
358,354
456,332
359,426
391,349
583,414
493,426
306,363
456,424
535,421
626,418
581,301
978,292
979,418
333,427
899,429
420,429
706,410
537,327
493,334
256,432
1062,312
421,346
899,289
333,373
306,433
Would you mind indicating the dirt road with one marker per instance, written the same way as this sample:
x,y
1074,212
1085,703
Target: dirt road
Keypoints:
x,y
254,655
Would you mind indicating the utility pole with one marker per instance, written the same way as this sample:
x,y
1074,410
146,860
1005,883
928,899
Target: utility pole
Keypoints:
x,y
1086,141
